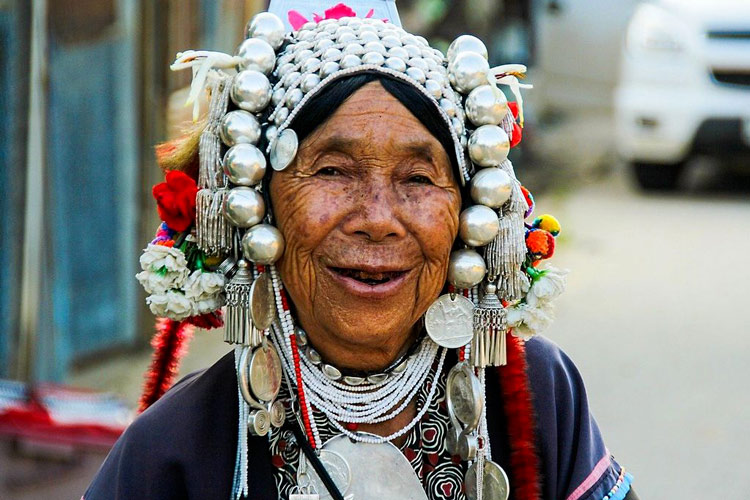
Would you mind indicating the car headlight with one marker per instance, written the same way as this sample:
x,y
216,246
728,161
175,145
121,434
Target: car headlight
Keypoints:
x,y
653,29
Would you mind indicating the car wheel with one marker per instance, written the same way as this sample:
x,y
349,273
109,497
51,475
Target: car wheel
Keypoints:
x,y
657,176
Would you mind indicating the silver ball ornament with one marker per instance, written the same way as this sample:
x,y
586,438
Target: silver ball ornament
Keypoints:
x,y
489,146
251,91
350,61
374,58
396,64
468,71
478,225
486,105
239,127
466,43
491,187
263,244
466,268
329,68
268,27
417,74
309,82
244,164
244,207
257,54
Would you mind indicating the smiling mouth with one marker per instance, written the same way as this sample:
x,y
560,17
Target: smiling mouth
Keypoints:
x,y
368,278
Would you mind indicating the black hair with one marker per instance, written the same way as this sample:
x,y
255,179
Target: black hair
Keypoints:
x,y
322,106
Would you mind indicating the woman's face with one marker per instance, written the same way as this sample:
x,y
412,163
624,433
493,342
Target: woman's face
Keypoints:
x,y
369,210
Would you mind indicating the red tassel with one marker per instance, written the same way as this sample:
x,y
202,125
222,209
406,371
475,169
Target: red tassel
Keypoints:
x,y
524,461
170,344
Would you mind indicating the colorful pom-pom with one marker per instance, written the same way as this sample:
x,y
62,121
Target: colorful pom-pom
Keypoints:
x,y
529,201
540,244
547,222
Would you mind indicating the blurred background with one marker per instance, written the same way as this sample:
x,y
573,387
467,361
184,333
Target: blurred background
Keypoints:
x,y
637,138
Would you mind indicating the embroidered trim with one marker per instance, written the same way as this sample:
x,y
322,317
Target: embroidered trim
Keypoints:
x,y
592,478
621,487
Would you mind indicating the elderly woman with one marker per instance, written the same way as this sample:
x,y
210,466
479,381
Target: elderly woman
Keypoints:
x,y
380,286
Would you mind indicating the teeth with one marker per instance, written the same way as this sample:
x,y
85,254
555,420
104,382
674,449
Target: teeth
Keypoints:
x,y
369,278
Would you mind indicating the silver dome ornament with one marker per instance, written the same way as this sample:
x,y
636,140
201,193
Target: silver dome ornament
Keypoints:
x,y
396,64
448,106
291,78
311,65
399,52
491,187
373,58
417,74
239,127
293,97
251,91
302,56
466,268
486,105
257,54
268,27
434,88
323,44
281,115
466,43
478,225
244,165
244,207
332,54
489,146
278,96
329,68
353,48
263,244
413,51
369,36
468,71
346,38
284,149
309,82
418,62
376,47
390,41
271,132
350,61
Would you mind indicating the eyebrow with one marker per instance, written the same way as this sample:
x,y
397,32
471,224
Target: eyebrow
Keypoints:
x,y
422,149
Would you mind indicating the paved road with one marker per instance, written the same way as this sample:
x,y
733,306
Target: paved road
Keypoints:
x,y
656,317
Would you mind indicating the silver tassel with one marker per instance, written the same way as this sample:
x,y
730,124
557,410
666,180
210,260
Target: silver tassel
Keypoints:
x,y
517,202
238,324
505,256
212,231
488,347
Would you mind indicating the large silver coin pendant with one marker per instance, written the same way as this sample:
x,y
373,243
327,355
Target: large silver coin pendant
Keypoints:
x,y
378,471
265,373
262,305
495,485
464,395
336,466
449,321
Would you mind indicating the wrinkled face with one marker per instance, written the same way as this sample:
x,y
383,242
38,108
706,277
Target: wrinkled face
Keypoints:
x,y
369,210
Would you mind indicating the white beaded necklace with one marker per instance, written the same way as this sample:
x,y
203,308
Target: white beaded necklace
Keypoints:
x,y
340,402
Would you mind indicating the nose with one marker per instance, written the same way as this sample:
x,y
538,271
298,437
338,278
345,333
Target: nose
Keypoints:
x,y
374,214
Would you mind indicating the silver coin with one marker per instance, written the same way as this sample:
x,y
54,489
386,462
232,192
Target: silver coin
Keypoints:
x,y
262,303
463,394
336,466
495,483
450,321
265,372
284,149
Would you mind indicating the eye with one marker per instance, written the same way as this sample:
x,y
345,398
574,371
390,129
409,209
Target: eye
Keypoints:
x,y
420,179
328,172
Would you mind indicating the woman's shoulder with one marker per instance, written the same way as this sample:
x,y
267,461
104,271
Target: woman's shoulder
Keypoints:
x,y
184,443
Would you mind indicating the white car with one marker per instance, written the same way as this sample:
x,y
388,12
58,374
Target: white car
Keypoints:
x,y
684,87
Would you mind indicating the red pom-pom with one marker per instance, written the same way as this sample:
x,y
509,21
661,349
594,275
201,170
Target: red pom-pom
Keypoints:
x,y
208,321
513,107
175,200
517,135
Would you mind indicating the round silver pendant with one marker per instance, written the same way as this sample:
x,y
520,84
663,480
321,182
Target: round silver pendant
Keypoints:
x,y
450,321
495,483
463,394
336,466
265,373
262,304
278,415
259,423
284,149
377,471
